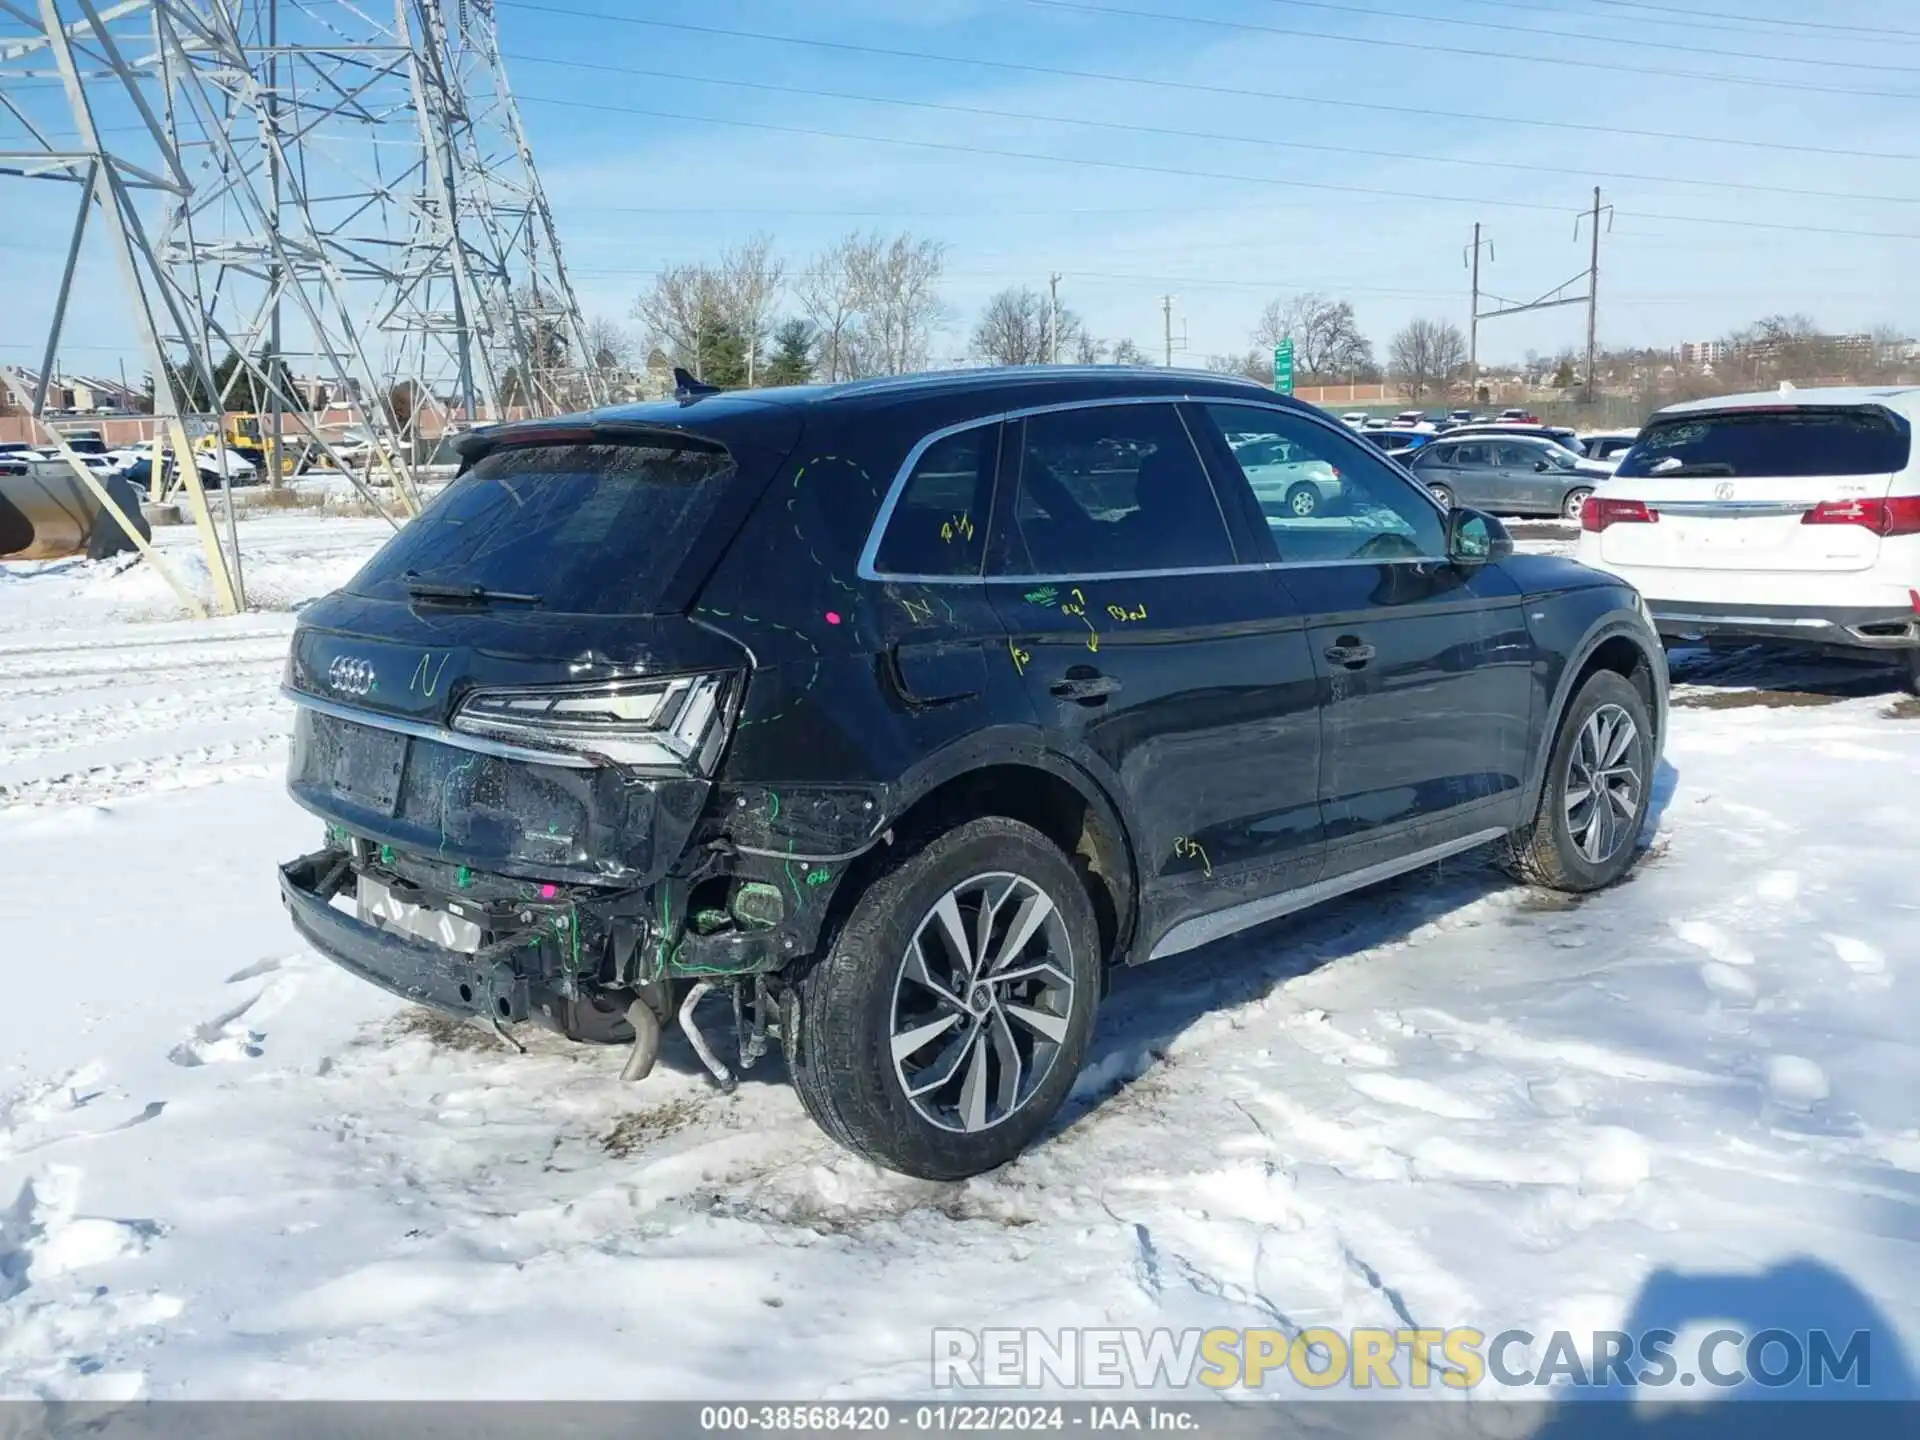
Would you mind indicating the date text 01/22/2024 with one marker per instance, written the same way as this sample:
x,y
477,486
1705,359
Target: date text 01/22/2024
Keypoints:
x,y
962,1418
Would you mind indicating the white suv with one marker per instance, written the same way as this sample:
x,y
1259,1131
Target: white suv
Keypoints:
x,y
1788,517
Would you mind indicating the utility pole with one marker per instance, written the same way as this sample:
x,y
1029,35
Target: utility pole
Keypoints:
x,y
1473,323
1166,314
1593,292
1053,318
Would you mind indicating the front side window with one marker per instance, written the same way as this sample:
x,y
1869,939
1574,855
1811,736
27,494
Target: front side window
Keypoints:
x,y
1336,498
939,523
1108,489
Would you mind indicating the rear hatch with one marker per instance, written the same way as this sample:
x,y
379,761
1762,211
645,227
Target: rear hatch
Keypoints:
x,y
514,683
1786,488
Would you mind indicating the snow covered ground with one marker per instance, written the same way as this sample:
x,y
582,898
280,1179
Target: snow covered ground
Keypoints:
x,y
228,1170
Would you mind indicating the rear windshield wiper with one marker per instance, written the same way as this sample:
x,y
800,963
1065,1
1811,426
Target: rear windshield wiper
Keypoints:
x,y
468,594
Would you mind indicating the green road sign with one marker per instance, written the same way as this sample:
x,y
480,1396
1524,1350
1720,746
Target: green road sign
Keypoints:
x,y
1283,367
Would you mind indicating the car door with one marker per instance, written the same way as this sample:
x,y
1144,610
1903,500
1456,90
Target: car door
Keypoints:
x,y
1160,650
1425,667
1523,487
1475,481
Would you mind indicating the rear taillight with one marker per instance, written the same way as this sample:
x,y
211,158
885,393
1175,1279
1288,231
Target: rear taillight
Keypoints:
x,y
1598,513
674,725
1895,515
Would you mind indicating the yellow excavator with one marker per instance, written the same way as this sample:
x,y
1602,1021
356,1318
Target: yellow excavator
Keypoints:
x,y
245,435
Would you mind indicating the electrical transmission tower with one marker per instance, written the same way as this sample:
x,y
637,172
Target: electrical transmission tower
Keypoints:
x,y
317,209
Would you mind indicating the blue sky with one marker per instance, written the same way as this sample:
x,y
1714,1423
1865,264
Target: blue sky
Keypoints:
x,y
648,160
1224,247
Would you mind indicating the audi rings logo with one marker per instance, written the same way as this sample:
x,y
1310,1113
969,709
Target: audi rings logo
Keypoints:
x,y
351,675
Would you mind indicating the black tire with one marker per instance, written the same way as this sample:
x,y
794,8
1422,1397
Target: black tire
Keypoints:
x,y
1546,851
1913,671
1303,500
1570,505
843,1065
1442,495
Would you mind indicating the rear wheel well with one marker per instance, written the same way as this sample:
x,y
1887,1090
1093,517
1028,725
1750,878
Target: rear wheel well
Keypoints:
x,y
1035,797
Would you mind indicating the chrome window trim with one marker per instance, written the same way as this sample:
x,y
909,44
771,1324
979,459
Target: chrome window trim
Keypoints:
x,y
869,552
421,730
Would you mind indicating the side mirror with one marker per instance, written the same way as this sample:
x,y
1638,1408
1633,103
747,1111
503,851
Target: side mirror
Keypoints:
x,y
1540,465
1475,537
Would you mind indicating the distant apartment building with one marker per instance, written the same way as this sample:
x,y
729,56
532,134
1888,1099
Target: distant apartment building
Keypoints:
x,y
1702,352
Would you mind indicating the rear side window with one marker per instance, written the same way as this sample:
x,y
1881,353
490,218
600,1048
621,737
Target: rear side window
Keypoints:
x,y
939,523
1860,440
590,529
1111,489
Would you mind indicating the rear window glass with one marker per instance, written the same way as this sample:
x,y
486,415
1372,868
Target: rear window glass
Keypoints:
x,y
590,529
939,525
1860,441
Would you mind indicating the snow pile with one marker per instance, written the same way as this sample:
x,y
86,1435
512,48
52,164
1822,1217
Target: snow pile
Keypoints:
x,y
229,1169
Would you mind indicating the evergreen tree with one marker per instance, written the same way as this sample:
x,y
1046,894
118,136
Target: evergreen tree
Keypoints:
x,y
792,360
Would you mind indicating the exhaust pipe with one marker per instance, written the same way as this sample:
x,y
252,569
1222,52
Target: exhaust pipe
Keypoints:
x,y
646,1041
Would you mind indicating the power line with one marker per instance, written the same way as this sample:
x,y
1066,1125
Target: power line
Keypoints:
x,y
1375,42
1871,31
1162,130
1744,27
1666,45
1194,87
1185,172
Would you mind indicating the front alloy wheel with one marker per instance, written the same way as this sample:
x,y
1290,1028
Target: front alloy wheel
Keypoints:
x,y
982,1002
1595,793
1601,793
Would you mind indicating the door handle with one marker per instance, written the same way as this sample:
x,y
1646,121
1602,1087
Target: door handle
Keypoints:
x,y
1084,689
1350,652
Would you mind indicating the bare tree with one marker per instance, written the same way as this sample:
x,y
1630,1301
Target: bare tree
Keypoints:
x,y
1327,343
1254,365
1127,352
684,314
610,347
1012,330
1088,349
1426,356
904,304
832,294
750,278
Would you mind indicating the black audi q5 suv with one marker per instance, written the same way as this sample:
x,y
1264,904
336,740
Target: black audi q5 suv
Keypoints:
x,y
891,715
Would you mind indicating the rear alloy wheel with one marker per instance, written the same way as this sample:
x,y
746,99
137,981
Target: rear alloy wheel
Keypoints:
x,y
1571,507
1442,495
1598,787
948,1018
1303,500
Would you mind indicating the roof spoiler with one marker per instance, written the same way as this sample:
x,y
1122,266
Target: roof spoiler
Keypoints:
x,y
478,443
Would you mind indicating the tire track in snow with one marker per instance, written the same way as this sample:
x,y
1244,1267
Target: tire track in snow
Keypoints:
x,y
133,659
50,687
257,758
